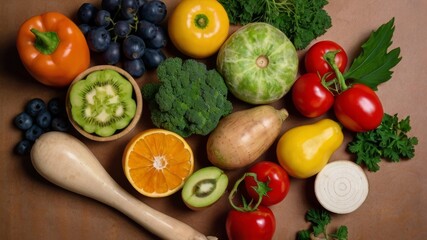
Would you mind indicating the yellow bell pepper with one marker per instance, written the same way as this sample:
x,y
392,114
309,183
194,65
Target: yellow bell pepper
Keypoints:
x,y
304,150
198,28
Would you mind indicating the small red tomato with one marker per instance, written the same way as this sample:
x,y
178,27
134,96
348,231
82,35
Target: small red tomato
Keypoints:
x,y
358,108
253,225
310,97
276,177
314,58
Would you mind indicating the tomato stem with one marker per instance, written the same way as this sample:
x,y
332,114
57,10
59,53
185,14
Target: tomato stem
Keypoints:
x,y
46,42
330,59
248,207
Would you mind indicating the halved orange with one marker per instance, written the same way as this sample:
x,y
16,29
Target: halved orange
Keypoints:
x,y
157,162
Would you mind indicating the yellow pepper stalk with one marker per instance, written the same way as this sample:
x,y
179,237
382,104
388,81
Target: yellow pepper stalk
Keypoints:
x,y
303,151
198,28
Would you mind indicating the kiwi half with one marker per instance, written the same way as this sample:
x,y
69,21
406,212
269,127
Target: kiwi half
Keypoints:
x,y
204,187
102,103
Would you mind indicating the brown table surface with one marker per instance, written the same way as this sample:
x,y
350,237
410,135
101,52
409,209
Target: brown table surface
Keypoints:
x,y
33,208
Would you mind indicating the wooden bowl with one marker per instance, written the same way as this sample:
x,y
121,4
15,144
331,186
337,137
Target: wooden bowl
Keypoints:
x,y
136,95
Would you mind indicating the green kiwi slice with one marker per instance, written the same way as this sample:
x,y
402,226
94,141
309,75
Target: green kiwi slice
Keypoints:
x,y
102,103
204,187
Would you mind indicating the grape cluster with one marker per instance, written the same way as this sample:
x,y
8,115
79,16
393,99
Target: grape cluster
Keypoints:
x,y
125,30
37,118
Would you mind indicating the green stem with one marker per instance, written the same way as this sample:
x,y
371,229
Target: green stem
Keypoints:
x,y
246,207
46,42
330,59
201,21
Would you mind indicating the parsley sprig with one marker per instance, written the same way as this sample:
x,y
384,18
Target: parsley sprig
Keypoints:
x,y
319,220
389,141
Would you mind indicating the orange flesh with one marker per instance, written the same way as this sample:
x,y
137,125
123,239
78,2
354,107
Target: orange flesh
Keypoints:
x,y
159,163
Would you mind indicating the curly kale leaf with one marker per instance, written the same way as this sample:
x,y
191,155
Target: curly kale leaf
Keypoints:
x,y
301,20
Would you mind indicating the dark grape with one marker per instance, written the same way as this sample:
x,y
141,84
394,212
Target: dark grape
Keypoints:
x,y
129,8
98,39
153,57
146,29
133,47
141,2
159,40
111,56
122,28
134,67
86,13
85,28
103,18
154,11
111,6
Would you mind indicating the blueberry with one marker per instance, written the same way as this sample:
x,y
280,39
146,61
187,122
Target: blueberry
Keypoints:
x,y
154,11
34,106
43,119
98,39
153,57
135,67
86,13
33,133
60,124
133,47
23,147
23,121
159,40
54,106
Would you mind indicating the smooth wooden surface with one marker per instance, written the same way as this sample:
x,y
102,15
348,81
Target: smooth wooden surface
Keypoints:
x,y
33,208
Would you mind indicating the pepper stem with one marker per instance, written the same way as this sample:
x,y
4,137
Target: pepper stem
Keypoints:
x,y
46,42
330,59
201,21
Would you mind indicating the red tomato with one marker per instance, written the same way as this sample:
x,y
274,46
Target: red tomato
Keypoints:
x,y
310,97
358,108
277,178
255,225
315,63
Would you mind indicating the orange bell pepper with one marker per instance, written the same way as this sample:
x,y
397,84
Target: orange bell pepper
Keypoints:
x,y
53,49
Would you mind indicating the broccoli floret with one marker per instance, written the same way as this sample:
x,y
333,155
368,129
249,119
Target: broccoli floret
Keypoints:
x,y
188,99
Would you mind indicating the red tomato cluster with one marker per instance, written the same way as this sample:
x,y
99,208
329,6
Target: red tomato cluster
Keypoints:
x,y
270,187
323,87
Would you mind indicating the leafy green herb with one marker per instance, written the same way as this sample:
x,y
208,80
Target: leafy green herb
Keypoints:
x,y
319,220
373,66
389,141
301,20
